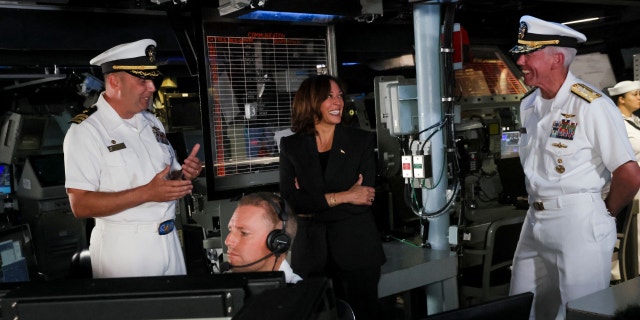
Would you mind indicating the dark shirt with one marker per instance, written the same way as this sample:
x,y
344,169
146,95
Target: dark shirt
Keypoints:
x,y
324,159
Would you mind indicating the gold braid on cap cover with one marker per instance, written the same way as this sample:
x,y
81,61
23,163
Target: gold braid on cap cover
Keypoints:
x,y
134,67
142,73
540,43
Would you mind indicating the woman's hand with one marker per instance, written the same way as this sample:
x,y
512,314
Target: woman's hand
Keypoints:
x,y
359,194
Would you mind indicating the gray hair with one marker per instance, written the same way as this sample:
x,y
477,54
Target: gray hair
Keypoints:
x,y
568,53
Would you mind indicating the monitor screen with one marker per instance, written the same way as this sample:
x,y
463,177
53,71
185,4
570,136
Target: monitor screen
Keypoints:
x,y
509,144
17,254
183,111
253,76
20,135
49,169
6,179
512,178
219,296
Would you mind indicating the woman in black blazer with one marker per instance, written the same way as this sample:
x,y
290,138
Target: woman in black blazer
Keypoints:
x,y
327,174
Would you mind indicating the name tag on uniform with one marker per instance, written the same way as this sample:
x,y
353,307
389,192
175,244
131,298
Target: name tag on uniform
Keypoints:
x,y
116,147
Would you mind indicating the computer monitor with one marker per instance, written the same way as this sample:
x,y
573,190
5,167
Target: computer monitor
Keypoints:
x,y
17,253
219,296
42,177
509,144
512,178
21,135
516,307
6,179
183,111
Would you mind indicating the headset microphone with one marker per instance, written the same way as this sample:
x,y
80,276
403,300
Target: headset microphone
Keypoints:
x,y
226,266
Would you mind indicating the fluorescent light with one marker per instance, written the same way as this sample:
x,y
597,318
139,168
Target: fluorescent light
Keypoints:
x,y
581,21
289,16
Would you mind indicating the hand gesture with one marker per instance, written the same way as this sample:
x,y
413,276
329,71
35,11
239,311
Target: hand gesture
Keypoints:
x,y
192,165
161,189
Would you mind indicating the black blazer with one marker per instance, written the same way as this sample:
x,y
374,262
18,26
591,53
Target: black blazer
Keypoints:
x,y
347,231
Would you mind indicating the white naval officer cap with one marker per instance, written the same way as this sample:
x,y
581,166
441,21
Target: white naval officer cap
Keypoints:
x,y
623,87
535,34
137,58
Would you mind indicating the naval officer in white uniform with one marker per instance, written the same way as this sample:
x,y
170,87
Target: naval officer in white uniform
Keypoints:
x,y
121,170
573,142
626,95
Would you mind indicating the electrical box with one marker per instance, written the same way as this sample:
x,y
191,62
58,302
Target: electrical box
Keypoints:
x,y
407,166
418,167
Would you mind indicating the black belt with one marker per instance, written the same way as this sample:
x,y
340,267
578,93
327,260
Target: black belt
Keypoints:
x,y
558,202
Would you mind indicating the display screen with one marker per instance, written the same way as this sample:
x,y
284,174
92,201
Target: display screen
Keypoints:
x,y
6,179
17,254
20,135
49,169
255,71
183,111
509,144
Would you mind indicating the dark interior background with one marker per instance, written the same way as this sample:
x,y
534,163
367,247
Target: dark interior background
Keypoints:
x,y
61,36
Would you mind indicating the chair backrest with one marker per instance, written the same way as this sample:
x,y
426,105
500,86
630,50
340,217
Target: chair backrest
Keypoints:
x,y
194,253
500,245
344,310
628,251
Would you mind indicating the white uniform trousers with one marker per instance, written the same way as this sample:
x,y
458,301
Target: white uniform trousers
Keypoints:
x,y
134,250
564,252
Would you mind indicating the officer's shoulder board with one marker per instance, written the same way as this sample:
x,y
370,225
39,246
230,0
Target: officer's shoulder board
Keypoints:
x,y
584,92
83,115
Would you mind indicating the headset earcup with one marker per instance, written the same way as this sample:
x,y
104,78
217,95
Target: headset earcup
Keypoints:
x,y
278,241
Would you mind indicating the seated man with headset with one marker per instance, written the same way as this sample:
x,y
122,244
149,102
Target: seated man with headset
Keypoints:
x,y
260,234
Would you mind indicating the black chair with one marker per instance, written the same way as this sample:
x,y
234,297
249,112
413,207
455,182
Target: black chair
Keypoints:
x,y
627,248
491,278
344,310
516,307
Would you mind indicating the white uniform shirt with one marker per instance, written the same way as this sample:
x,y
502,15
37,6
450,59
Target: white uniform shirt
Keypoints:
x,y
288,272
105,153
571,145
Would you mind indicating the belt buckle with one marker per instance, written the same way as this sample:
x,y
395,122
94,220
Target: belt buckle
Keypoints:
x,y
166,227
538,205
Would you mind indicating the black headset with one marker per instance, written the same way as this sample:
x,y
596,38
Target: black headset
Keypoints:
x,y
278,241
